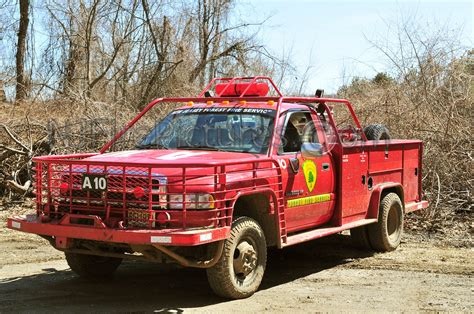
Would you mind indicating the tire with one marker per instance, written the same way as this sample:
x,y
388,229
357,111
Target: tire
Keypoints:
x,y
240,270
376,132
92,266
386,234
360,238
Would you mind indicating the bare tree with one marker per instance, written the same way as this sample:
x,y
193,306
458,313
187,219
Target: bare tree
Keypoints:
x,y
215,40
21,79
136,50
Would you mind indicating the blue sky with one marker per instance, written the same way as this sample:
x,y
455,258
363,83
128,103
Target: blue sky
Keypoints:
x,y
331,36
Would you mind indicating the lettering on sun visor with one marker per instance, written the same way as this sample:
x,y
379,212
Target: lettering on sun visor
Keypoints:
x,y
226,110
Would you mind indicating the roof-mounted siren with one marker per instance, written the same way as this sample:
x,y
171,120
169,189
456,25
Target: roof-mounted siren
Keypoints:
x,y
255,89
319,93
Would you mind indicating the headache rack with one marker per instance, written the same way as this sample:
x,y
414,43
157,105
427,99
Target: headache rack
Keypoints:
x,y
138,195
243,90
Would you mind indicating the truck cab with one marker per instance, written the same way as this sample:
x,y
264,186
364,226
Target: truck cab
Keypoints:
x,y
220,178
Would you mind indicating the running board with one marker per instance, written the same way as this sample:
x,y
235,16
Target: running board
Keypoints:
x,y
322,232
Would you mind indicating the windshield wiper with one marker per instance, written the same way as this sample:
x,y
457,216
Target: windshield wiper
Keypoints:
x,y
151,146
202,147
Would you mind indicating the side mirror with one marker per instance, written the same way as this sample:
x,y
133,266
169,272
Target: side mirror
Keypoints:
x,y
311,150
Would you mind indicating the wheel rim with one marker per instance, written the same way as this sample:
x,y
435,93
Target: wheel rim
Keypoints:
x,y
245,259
393,223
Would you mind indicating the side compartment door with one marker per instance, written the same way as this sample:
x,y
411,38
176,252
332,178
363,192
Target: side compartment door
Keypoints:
x,y
309,182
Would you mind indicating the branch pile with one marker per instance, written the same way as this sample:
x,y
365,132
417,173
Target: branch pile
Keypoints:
x,y
48,128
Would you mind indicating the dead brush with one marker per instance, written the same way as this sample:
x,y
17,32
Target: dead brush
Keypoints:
x,y
51,127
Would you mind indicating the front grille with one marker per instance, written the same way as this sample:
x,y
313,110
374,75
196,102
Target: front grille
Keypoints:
x,y
117,195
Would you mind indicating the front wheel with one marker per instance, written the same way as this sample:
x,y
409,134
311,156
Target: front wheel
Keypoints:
x,y
92,266
386,234
239,271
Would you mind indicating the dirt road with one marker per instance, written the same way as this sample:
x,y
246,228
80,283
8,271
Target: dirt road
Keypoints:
x,y
323,275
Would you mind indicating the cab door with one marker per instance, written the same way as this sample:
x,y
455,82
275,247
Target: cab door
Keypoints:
x,y
308,183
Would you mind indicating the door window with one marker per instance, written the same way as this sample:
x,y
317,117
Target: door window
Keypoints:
x,y
299,129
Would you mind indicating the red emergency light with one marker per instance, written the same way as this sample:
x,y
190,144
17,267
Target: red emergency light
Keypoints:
x,y
242,89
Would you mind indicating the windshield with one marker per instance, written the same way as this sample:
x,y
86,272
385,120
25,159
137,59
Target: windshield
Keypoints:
x,y
223,129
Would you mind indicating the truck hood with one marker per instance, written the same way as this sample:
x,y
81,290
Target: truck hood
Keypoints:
x,y
172,161
174,157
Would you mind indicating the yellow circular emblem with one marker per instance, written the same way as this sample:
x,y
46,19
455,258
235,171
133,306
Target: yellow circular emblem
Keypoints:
x,y
310,174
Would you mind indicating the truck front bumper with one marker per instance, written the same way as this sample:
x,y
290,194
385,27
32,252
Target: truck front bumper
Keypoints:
x,y
99,232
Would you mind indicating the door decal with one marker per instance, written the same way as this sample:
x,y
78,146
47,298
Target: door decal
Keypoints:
x,y
309,200
310,174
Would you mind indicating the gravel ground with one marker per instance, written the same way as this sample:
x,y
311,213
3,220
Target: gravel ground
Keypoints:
x,y
323,275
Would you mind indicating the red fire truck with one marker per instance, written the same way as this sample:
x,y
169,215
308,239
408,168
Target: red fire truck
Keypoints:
x,y
221,178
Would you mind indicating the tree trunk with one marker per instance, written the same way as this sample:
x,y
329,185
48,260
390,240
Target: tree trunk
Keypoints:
x,y
21,80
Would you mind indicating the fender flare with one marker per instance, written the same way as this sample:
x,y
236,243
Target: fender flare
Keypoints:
x,y
266,191
375,197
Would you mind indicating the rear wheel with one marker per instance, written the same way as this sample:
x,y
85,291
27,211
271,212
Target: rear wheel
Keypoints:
x,y
386,234
239,272
92,266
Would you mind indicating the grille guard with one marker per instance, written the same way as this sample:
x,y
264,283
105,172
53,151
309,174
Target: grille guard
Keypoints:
x,y
224,181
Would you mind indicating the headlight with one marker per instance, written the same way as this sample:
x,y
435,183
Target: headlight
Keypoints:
x,y
193,201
